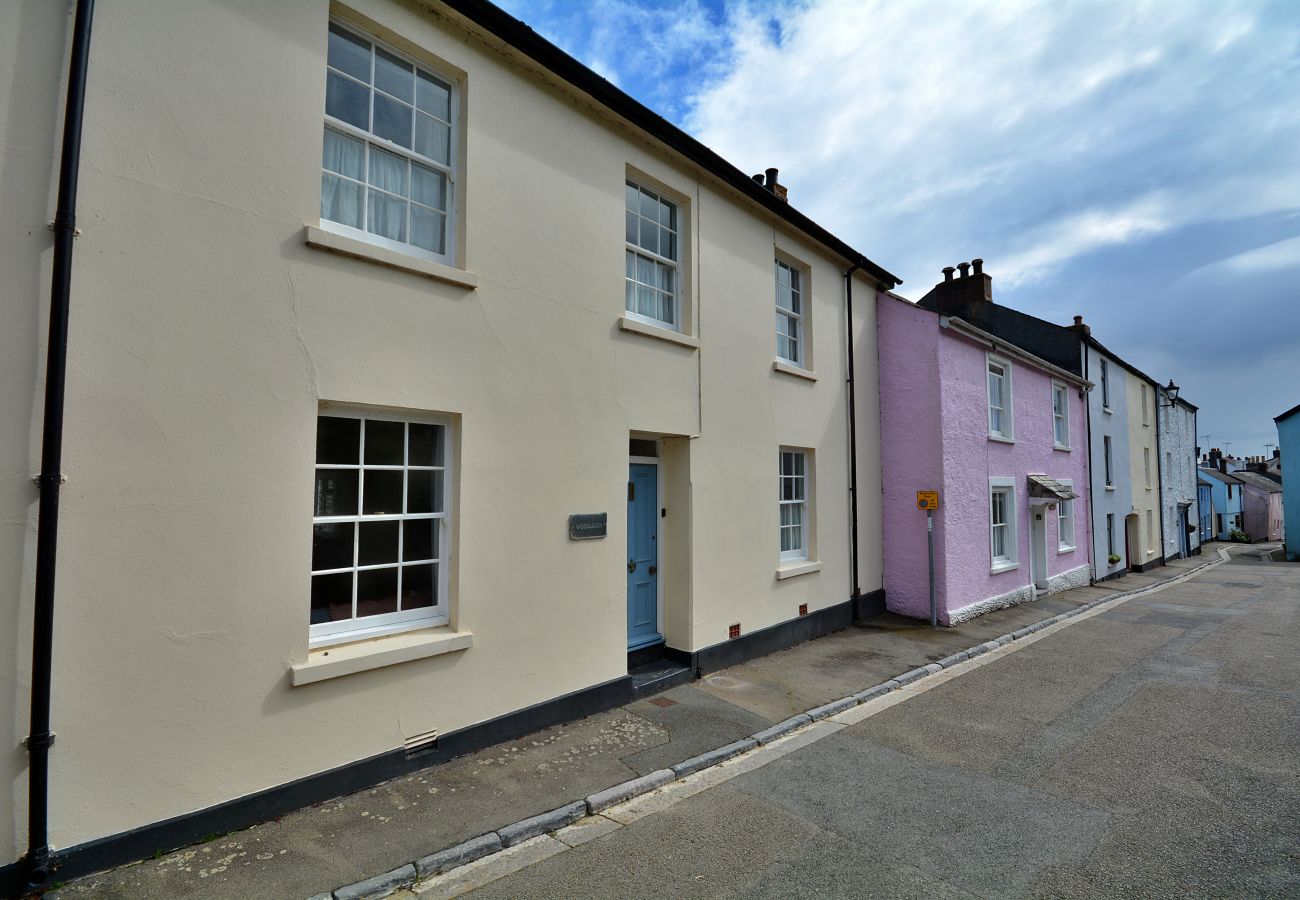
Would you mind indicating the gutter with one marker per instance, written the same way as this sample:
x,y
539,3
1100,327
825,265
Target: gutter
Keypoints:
x,y
39,855
516,34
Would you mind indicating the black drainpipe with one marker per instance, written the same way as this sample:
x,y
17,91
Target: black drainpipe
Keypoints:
x,y
853,436
56,363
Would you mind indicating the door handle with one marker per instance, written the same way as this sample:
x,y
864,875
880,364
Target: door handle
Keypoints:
x,y
654,569
631,565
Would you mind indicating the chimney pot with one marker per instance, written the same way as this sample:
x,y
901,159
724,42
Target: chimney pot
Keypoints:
x,y
965,268
758,178
1078,320
947,273
771,178
978,265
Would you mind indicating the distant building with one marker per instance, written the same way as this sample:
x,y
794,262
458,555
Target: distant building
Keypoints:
x,y
1205,504
1225,493
1001,435
1288,439
1261,506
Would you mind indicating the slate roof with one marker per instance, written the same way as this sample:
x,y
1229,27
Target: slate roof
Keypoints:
x,y
1042,486
1254,479
1225,477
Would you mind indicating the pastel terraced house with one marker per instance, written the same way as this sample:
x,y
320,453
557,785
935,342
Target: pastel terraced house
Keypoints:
x,y
1288,440
1000,434
423,389
1179,497
1261,506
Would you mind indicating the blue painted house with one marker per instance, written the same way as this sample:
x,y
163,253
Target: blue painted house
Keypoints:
x,y
1288,439
1225,494
1205,503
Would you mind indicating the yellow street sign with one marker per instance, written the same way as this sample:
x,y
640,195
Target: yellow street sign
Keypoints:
x,y
927,499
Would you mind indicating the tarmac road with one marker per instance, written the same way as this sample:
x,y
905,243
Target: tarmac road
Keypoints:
x,y
1150,750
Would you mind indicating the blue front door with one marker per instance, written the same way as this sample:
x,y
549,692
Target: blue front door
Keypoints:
x,y
642,557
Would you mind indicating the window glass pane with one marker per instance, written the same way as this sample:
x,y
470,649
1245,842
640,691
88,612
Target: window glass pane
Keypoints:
x,y
667,215
782,274
376,592
394,76
336,492
666,312
428,229
649,207
338,440
433,96
417,539
645,270
392,121
666,277
633,197
388,171
331,597
646,302
432,138
349,53
377,543
341,200
428,187
667,244
346,100
630,234
387,217
343,154
419,586
331,546
424,492
382,493
630,296
426,445
649,236
384,442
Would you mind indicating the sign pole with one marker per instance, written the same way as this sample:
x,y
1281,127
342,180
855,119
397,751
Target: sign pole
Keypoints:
x,y
929,533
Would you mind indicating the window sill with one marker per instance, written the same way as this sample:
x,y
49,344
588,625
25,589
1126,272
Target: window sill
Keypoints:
x,y
1066,548
795,568
1108,411
635,326
346,659
338,243
999,568
788,368
1063,447
1110,487
1001,440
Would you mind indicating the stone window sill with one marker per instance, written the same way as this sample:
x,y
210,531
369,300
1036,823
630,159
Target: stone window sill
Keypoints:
x,y
347,659
1003,567
635,326
1001,440
796,569
1064,447
338,243
786,368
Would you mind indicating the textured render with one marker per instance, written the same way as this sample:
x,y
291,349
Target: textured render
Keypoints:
x,y
1118,499
1068,581
1177,426
1145,469
1288,439
934,415
205,333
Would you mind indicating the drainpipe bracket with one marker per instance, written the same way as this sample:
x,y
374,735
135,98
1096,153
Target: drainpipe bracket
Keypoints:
x,y
53,225
37,479
39,741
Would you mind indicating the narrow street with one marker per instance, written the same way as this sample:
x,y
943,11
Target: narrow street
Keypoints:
x,y
1149,750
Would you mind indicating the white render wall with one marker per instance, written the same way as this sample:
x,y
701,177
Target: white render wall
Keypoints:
x,y
1178,474
205,334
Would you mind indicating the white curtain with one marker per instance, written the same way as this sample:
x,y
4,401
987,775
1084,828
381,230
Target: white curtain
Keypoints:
x,y
340,199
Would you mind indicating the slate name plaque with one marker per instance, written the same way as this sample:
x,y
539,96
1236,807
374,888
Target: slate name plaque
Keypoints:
x,y
587,526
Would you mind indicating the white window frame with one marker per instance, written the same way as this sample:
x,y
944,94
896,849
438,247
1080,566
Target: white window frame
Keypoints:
x,y
1062,390
370,139
636,250
1146,417
325,634
1008,429
1108,460
1146,466
1110,538
795,319
800,483
1005,487
1105,385
1065,515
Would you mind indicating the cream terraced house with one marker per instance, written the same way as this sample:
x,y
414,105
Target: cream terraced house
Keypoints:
x,y
419,384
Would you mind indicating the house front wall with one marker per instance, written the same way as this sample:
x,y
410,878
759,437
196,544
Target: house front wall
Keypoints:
x,y
1178,493
1144,466
1116,498
206,336
1288,439
971,459
1261,513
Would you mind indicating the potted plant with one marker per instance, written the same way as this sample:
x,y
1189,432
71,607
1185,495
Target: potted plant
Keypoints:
x,y
1113,559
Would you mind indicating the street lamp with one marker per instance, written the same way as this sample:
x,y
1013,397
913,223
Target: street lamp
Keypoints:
x,y
1171,390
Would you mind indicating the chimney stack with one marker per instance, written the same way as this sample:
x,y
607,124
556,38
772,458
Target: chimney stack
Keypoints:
x,y
775,186
1079,326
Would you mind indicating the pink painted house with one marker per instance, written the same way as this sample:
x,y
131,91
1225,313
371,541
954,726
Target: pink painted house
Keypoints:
x,y
1001,435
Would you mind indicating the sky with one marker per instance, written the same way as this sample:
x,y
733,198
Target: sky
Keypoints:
x,y
1136,163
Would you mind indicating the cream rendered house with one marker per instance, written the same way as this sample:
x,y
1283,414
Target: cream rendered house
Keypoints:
x,y
416,375
1144,527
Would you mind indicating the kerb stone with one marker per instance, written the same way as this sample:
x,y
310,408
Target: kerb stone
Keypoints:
x,y
713,757
477,848
878,690
548,821
829,709
627,790
378,886
767,735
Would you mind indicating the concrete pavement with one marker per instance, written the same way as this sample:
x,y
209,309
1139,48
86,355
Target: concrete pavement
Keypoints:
x,y
373,831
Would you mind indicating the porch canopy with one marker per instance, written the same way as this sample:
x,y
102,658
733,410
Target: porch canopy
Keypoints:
x,y
1043,488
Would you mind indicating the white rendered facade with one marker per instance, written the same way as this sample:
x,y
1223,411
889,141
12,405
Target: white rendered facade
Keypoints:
x,y
1178,494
